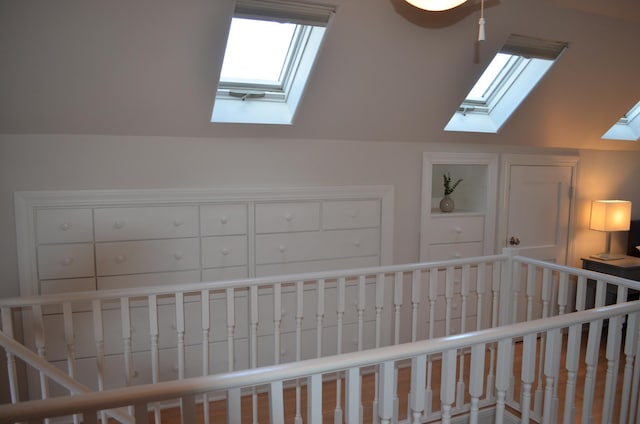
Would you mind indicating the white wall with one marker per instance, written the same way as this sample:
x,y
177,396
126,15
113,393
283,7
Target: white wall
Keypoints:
x,y
69,162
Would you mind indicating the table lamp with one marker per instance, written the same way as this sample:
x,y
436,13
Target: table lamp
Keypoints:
x,y
608,216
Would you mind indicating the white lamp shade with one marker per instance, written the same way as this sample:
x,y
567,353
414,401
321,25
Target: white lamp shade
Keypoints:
x,y
610,215
436,5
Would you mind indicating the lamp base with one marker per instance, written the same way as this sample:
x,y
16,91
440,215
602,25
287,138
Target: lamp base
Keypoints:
x,y
607,257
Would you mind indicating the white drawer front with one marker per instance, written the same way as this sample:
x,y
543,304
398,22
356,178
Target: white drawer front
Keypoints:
x,y
350,214
224,251
220,220
273,248
284,217
134,257
65,260
148,280
67,286
64,225
112,224
316,266
222,274
457,229
440,252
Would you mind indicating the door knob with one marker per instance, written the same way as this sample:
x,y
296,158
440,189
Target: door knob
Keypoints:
x,y
514,241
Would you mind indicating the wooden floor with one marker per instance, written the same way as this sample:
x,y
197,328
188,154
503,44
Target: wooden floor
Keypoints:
x,y
218,412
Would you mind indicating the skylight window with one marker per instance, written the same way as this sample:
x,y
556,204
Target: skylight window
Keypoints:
x,y
257,52
627,127
508,79
271,49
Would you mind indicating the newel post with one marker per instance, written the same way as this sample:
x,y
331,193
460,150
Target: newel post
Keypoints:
x,y
507,275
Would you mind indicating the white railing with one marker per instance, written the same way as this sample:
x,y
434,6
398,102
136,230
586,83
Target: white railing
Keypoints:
x,y
169,335
386,359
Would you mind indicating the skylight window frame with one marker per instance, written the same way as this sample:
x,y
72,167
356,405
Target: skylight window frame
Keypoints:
x,y
627,128
243,102
277,91
497,82
631,115
530,60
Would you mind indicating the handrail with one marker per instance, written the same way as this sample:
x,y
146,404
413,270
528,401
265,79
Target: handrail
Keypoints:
x,y
593,275
77,388
237,283
252,377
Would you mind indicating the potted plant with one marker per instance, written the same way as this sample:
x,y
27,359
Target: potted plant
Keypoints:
x,y
447,204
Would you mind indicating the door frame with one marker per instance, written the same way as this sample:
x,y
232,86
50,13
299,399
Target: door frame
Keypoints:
x,y
507,160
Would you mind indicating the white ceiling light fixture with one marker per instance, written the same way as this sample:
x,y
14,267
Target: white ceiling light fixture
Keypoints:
x,y
442,5
436,5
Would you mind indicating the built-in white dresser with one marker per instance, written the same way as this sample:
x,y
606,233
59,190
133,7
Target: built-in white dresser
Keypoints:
x,y
72,241
467,231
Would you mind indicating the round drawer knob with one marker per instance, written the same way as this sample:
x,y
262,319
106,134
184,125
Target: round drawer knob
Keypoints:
x,y
224,220
226,251
354,214
67,261
356,243
178,255
283,352
458,230
65,227
457,256
178,223
120,259
288,217
282,248
118,224
135,374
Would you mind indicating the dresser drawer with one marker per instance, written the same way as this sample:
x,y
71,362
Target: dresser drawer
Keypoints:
x,y
148,280
64,225
441,252
456,229
132,257
285,217
112,224
67,286
224,251
273,248
65,261
223,274
350,214
316,266
220,220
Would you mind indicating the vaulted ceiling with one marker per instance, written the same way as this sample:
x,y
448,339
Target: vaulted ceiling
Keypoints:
x,y
387,72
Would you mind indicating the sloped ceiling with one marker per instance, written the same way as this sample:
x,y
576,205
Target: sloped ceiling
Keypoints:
x,y
387,71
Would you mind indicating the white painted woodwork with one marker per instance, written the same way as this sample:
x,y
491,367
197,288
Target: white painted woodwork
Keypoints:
x,y
108,239
141,223
64,226
468,231
474,216
350,214
287,217
148,356
224,219
57,261
535,184
224,251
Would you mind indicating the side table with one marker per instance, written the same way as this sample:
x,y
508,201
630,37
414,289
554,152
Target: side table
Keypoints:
x,y
626,267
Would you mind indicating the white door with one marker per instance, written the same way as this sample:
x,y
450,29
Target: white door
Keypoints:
x,y
539,210
538,217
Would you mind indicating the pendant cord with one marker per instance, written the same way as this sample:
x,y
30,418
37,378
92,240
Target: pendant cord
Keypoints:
x,y
481,22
